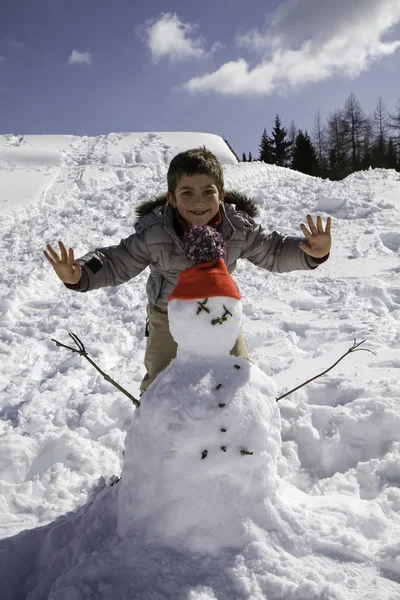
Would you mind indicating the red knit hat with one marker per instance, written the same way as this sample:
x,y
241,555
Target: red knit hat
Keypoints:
x,y
205,280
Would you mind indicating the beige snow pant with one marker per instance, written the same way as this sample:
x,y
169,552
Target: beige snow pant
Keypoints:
x,y
161,347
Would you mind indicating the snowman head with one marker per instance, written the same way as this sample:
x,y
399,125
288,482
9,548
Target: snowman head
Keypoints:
x,y
205,309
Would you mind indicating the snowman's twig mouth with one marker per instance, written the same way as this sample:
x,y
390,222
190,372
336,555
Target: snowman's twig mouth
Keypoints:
x,y
223,319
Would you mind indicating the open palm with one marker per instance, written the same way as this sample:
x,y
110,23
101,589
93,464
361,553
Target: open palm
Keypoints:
x,y
319,240
63,264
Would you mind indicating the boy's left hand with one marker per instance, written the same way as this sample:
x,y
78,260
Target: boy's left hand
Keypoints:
x,y
318,240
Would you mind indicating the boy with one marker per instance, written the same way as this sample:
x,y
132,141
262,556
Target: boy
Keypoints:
x,y
195,196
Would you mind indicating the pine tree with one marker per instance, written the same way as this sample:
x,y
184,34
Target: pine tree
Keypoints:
x,y
305,157
244,159
280,145
266,151
250,157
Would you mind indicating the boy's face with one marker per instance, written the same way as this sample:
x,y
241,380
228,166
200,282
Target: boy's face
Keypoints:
x,y
196,198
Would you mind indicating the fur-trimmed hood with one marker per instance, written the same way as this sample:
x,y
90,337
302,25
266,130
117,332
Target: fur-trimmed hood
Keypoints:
x,y
241,201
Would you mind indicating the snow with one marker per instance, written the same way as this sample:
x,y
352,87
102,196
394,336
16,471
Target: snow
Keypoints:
x,y
331,529
198,335
164,475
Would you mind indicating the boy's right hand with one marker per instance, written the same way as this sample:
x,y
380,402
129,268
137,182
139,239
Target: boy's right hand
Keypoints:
x,y
64,265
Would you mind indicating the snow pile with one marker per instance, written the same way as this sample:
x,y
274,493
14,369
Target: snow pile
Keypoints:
x,y
201,457
330,528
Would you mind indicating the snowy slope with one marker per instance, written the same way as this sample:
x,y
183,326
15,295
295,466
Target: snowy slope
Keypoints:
x,y
335,536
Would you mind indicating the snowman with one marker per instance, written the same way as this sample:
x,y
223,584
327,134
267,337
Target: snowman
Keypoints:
x,y
200,456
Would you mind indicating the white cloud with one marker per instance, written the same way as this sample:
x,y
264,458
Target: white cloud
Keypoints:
x,y
13,43
169,37
306,41
80,58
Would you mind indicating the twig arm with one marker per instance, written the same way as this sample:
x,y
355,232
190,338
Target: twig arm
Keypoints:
x,y
355,348
82,351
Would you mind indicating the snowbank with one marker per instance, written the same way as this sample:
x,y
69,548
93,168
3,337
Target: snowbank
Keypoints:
x,y
333,531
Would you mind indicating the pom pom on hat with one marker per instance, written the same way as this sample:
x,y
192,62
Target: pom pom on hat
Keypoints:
x,y
208,277
203,243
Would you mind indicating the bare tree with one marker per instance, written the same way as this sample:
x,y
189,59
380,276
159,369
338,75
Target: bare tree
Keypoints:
x,y
337,143
291,135
394,124
392,157
395,119
356,127
380,134
319,139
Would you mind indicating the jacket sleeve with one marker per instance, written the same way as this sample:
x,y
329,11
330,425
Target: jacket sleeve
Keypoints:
x,y
113,265
275,252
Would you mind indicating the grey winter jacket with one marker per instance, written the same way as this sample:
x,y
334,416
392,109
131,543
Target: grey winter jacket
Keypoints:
x,y
156,244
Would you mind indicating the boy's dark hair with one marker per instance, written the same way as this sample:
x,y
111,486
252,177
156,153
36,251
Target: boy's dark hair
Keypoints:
x,y
193,162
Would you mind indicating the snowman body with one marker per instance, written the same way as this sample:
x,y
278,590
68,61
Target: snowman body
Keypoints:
x,y
200,456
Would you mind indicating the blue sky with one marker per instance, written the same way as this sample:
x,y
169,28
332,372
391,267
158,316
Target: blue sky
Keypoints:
x,y
89,67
